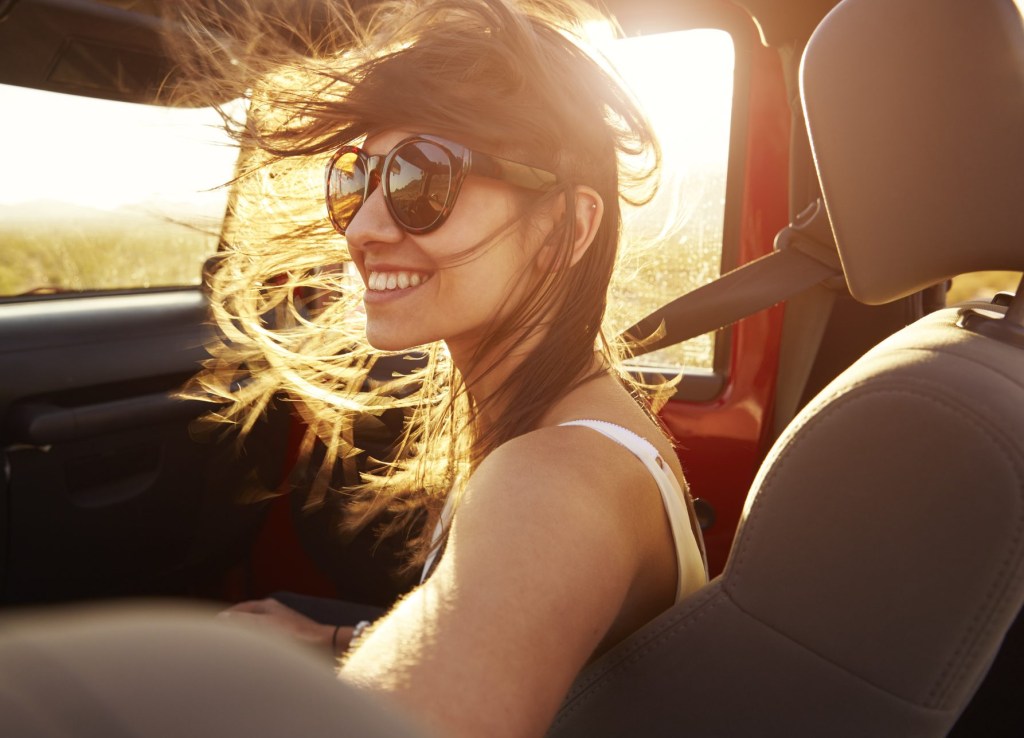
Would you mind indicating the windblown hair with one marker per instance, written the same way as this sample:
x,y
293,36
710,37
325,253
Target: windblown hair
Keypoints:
x,y
510,78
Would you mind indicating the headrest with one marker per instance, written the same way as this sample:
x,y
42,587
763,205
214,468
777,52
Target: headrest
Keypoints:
x,y
915,110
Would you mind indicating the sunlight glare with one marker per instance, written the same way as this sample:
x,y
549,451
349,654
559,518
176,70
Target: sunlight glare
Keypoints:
x,y
106,155
668,73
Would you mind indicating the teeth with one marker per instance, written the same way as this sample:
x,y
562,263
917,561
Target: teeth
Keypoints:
x,y
381,281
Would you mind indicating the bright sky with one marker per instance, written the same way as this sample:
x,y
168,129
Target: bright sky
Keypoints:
x,y
683,81
103,154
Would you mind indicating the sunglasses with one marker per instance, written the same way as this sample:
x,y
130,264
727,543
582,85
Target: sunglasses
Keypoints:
x,y
421,177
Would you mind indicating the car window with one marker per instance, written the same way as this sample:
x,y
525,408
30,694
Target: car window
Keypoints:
x,y
981,286
98,195
684,81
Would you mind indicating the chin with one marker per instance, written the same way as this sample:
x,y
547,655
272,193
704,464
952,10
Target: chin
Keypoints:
x,y
385,345
385,341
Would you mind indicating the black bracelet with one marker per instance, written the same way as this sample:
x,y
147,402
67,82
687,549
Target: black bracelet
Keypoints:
x,y
334,641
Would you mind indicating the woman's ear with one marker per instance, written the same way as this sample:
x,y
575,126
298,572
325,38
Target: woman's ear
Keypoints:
x,y
588,212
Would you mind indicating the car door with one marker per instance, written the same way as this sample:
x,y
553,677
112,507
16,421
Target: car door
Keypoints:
x,y
108,209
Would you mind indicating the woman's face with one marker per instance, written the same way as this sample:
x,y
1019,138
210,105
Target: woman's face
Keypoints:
x,y
414,293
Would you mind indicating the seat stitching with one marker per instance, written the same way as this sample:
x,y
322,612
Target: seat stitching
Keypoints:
x,y
579,695
896,385
696,603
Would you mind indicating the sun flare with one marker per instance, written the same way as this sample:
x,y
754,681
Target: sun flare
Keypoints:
x,y
684,82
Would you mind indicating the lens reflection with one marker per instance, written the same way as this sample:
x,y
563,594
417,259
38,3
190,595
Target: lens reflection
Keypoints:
x,y
418,181
347,185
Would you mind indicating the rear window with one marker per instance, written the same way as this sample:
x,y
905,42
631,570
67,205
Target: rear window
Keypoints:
x,y
684,82
98,195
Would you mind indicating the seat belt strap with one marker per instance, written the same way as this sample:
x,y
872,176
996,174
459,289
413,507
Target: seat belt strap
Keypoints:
x,y
804,256
807,315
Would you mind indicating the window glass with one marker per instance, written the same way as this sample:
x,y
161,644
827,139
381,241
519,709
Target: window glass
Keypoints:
x,y
101,195
684,82
981,286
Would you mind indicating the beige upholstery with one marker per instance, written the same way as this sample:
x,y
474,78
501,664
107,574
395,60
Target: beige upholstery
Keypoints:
x,y
167,672
878,566
922,147
880,559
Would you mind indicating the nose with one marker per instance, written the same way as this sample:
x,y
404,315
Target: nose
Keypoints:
x,y
373,224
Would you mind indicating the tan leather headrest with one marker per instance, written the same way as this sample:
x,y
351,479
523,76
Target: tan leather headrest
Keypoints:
x,y
915,110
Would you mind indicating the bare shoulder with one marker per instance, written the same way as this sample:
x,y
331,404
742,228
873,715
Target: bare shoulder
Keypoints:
x,y
567,486
555,516
562,466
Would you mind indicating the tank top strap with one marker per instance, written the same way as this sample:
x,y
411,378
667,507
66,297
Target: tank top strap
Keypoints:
x,y
685,531
637,444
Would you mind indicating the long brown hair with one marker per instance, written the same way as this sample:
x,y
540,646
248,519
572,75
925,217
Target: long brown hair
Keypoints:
x,y
510,78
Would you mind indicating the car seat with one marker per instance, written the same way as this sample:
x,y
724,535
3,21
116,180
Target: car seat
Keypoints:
x,y
880,558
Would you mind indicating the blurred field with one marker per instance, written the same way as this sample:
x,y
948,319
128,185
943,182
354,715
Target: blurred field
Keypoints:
x,y
99,255
668,252
56,247
981,286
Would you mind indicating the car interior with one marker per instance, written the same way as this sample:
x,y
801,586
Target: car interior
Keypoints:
x,y
854,435
867,592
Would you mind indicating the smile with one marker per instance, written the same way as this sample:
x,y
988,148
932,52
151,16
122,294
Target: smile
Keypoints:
x,y
386,281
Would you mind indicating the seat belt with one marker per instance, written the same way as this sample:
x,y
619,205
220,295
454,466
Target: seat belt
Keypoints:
x,y
804,255
807,315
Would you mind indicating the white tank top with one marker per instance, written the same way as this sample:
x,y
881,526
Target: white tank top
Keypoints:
x,y
688,548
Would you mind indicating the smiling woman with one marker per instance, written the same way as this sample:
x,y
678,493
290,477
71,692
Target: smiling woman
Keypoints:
x,y
477,158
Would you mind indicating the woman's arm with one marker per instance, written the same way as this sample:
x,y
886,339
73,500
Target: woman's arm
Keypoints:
x,y
542,557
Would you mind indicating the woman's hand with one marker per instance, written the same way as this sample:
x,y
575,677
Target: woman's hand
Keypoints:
x,y
273,615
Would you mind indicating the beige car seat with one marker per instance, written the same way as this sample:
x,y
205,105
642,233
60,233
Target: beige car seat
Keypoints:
x,y
880,559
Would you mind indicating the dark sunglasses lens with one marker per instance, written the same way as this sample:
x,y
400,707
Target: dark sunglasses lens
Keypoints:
x,y
346,185
418,182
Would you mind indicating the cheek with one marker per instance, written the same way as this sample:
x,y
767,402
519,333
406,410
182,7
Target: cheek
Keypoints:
x,y
477,228
486,252
488,285
487,203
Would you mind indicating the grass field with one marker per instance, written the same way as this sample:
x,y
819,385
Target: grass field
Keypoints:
x,y
99,255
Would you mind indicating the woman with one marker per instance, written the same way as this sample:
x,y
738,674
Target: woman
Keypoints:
x,y
473,180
